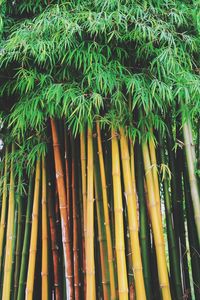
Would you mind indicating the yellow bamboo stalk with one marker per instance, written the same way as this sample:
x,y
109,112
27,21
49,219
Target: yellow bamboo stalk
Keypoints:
x,y
156,226
131,201
106,215
34,234
192,176
102,246
153,159
154,170
119,224
9,236
90,265
44,273
4,206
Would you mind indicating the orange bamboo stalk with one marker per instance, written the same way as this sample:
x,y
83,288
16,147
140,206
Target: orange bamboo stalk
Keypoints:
x,y
63,212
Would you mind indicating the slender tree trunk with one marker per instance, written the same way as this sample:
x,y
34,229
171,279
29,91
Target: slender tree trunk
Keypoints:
x,y
77,282
156,226
131,201
18,243
90,265
192,177
193,237
144,225
106,215
9,235
3,211
45,269
24,260
34,235
101,233
173,247
84,200
54,247
63,213
119,223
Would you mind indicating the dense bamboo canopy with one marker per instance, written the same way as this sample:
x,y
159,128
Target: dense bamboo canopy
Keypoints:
x,y
100,166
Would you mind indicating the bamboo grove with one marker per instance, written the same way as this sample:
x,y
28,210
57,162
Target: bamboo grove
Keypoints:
x,y
100,163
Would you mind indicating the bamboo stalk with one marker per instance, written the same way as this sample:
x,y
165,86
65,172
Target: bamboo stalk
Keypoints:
x,y
9,235
173,247
119,224
18,243
192,177
106,215
54,247
101,229
192,237
67,172
3,209
144,223
77,282
102,246
25,254
34,235
13,251
90,265
45,271
156,226
84,200
131,201
63,213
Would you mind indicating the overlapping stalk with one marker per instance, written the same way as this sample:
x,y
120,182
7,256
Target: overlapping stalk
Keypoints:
x,y
119,225
34,234
131,202
8,266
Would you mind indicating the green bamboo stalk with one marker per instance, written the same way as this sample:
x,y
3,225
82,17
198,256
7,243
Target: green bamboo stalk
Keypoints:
x,y
14,251
192,236
173,247
26,242
101,229
144,224
192,177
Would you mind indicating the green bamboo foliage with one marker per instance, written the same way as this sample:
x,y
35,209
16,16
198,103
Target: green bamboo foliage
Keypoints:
x,y
64,65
